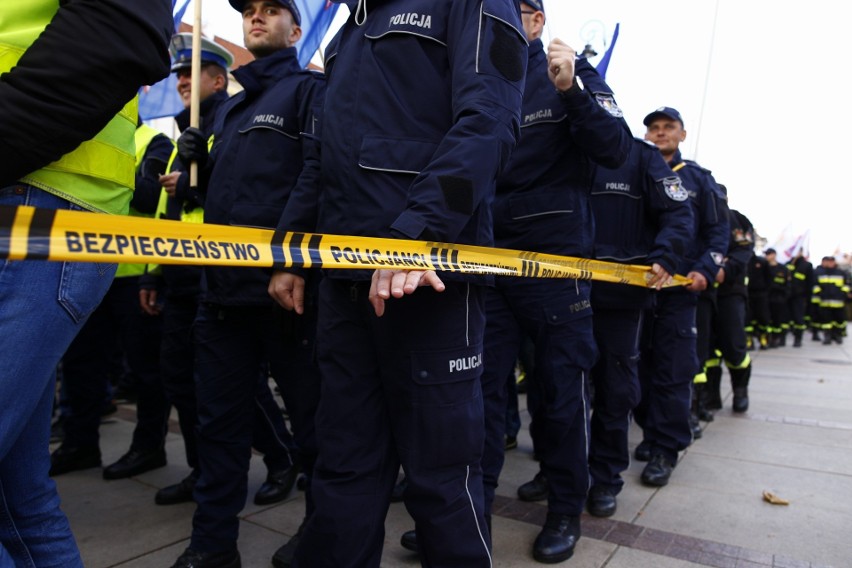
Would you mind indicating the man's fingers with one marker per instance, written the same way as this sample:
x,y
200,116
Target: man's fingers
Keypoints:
x,y
288,290
388,284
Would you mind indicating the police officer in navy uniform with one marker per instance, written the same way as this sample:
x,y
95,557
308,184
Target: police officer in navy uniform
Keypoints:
x,y
641,217
543,204
256,159
421,115
669,360
175,287
175,290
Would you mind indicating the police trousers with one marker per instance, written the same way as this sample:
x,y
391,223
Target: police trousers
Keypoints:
x,y
404,389
557,315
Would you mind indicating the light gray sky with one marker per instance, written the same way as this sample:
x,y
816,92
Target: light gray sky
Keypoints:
x,y
763,93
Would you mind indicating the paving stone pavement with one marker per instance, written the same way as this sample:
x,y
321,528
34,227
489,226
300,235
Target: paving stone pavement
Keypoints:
x,y
795,440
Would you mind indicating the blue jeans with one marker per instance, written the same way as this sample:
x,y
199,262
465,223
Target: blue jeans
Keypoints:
x,y
42,307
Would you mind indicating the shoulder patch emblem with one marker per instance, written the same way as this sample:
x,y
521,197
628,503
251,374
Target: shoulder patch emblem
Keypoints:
x,y
718,258
674,189
607,101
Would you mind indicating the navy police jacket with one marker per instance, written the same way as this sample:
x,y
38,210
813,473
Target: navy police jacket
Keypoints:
x,y
421,113
710,245
641,217
542,201
256,160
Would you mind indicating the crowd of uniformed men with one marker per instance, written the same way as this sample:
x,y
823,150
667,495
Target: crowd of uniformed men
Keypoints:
x,y
444,121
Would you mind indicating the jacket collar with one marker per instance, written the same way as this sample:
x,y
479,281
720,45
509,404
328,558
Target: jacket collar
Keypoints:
x,y
261,73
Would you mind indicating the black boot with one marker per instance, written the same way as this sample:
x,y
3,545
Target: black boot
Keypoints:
x,y
535,490
699,410
713,389
557,539
739,380
797,338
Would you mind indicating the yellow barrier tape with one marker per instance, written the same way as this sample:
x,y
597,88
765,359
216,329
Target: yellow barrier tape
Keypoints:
x,y
61,235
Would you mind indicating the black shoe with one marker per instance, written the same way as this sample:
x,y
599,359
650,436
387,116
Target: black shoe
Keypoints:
x,y
740,399
695,426
277,486
511,443
797,340
601,501
177,493
64,459
642,452
535,490
283,557
658,471
408,540
302,482
556,541
399,490
195,559
135,462
815,336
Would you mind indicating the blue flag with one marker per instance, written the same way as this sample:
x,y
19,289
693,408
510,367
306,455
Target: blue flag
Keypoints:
x,y
317,16
604,62
162,99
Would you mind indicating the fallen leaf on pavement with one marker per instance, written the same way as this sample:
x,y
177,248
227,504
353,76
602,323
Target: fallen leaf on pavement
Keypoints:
x,y
771,497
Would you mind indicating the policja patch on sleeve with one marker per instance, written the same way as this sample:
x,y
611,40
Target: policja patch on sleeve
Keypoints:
x,y
607,102
674,189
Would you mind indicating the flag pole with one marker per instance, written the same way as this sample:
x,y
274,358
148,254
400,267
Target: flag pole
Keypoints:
x,y
195,96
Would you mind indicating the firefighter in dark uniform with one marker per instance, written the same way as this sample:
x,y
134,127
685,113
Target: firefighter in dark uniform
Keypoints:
x,y
831,292
727,322
759,318
257,158
779,294
641,217
421,114
801,286
175,291
669,360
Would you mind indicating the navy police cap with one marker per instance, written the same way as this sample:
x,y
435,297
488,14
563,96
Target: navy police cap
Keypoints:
x,y
667,112
180,49
535,4
238,5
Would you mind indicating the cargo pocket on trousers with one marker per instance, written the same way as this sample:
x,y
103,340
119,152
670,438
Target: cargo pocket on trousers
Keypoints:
x,y
447,419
